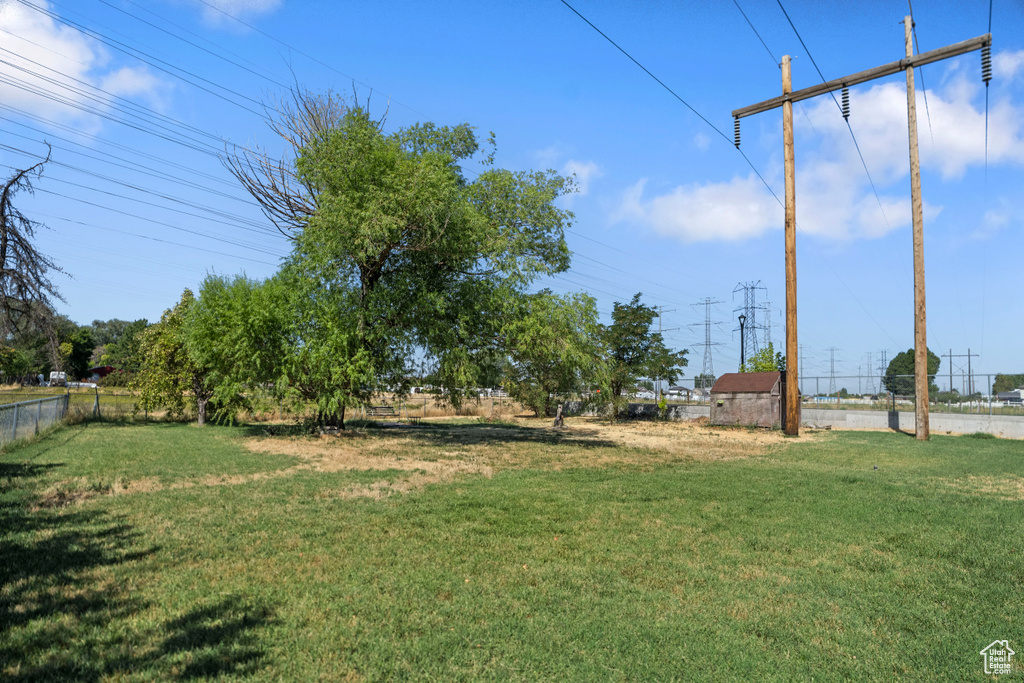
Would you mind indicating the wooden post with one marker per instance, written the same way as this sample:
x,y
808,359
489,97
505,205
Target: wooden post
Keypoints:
x,y
792,346
920,330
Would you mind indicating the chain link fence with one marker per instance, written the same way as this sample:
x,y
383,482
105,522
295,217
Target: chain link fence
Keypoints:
x,y
23,419
971,394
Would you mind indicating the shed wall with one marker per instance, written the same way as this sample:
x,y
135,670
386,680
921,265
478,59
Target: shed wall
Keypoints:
x,y
746,409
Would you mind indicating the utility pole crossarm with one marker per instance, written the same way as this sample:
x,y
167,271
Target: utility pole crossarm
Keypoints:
x,y
868,75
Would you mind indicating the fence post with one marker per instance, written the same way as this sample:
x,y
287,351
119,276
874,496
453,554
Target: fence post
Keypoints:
x,y
39,413
989,395
96,404
14,430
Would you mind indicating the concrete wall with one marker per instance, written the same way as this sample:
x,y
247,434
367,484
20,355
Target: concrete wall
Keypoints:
x,y
1007,426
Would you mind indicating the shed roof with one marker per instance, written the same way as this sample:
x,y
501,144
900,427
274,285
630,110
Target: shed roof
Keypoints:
x,y
748,382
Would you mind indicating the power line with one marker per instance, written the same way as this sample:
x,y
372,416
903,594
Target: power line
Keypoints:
x,y
117,145
186,142
151,238
742,153
135,108
244,224
920,72
838,106
189,42
244,245
751,25
152,60
304,54
673,93
128,165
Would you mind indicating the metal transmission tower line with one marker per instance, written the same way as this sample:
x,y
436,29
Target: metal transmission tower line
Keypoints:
x,y
832,371
662,309
708,369
766,307
968,386
749,309
786,101
883,367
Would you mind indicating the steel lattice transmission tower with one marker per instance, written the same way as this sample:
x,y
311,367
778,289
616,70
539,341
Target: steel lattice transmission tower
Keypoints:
x,y
832,372
750,309
708,369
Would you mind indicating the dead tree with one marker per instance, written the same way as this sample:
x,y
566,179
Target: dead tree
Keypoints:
x,y
298,120
26,291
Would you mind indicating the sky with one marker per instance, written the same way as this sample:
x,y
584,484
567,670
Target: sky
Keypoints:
x,y
140,99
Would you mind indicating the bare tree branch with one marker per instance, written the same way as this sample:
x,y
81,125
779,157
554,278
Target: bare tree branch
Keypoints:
x,y
26,291
298,119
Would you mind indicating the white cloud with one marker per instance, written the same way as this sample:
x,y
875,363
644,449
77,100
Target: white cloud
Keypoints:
x,y
584,171
549,156
702,141
956,138
241,9
66,56
833,195
1006,65
734,210
1004,215
130,82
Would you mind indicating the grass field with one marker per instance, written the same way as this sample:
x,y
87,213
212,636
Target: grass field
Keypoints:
x,y
506,551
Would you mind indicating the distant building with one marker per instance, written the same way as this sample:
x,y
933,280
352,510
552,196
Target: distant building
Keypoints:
x,y
1011,398
100,371
686,393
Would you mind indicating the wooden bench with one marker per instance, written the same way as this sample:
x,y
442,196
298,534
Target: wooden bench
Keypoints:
x,y
381,411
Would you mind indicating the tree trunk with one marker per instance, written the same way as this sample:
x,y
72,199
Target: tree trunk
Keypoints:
x,y
341,418
201,410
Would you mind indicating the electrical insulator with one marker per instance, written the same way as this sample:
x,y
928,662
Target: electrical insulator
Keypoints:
x,y
846,103
736,132
986,64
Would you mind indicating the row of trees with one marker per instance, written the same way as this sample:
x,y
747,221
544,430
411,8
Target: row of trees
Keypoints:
x,y
46,341
240,335
396,253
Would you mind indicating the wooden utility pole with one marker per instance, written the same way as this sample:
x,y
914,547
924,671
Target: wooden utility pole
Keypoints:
x,y
786,101
921,429
792,346
920,326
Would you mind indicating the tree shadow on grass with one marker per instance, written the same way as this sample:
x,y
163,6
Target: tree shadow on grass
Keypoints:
x,y
216,640
452,434
65,613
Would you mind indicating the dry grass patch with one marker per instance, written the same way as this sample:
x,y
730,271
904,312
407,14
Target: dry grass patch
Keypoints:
x,y
1007,487
480,447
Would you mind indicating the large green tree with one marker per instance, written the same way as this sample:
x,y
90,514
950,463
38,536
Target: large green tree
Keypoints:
x,y
235,332
397,250
169,377
899,376
554,348
635,350
123,349
1007,383
765,360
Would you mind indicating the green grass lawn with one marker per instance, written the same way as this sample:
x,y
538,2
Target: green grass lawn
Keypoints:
x,y
506,551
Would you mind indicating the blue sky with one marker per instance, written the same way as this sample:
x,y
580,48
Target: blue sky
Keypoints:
x,y
666,206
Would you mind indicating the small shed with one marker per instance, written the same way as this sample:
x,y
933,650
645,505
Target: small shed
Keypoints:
x,y
749,399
